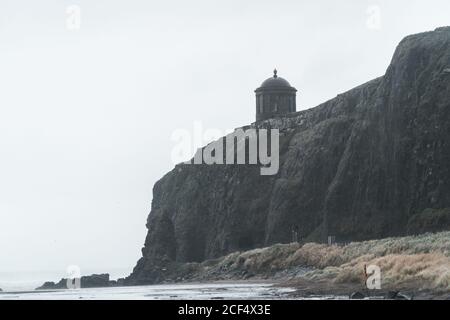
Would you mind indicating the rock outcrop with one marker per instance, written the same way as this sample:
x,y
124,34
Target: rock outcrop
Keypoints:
x,y
92,281
372,162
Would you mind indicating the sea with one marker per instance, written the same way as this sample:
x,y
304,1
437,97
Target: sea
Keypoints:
x,y
22,285
190,291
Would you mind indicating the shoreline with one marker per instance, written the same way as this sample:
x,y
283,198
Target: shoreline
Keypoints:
x,y
301,289
416,267
239,290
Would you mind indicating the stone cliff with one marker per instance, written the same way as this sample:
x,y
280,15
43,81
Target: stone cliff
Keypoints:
x,y
372,162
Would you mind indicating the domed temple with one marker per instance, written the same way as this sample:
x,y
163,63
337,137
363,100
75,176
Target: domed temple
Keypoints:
x,y
274,97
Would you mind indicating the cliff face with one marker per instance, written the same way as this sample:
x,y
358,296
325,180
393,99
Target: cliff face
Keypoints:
x,y
371,163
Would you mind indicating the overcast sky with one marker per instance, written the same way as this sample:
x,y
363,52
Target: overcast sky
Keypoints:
x,y
88,106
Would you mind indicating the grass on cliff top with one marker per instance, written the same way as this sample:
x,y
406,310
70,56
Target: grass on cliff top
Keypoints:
x,y
423,260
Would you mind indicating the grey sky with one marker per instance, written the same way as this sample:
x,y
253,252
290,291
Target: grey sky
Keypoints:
x,y
86,115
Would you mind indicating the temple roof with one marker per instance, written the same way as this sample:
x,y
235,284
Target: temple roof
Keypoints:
x,y
275,82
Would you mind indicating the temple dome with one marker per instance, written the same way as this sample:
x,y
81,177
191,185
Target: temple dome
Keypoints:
x,y
275,82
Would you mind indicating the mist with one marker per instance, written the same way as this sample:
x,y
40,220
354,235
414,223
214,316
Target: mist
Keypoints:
x,y
88,110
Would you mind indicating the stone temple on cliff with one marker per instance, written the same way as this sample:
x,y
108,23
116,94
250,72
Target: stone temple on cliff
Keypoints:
x,y
275,97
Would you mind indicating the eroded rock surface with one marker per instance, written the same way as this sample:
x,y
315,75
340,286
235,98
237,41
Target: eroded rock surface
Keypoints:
x,y
370,163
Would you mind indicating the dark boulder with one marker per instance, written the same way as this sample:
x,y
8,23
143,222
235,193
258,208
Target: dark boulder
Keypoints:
x,y
396,295
357,296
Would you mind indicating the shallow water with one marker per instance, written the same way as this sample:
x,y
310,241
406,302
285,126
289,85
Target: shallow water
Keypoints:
x,y
160,292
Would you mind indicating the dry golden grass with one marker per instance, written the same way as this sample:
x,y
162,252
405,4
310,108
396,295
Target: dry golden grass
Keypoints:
x,y
423,259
